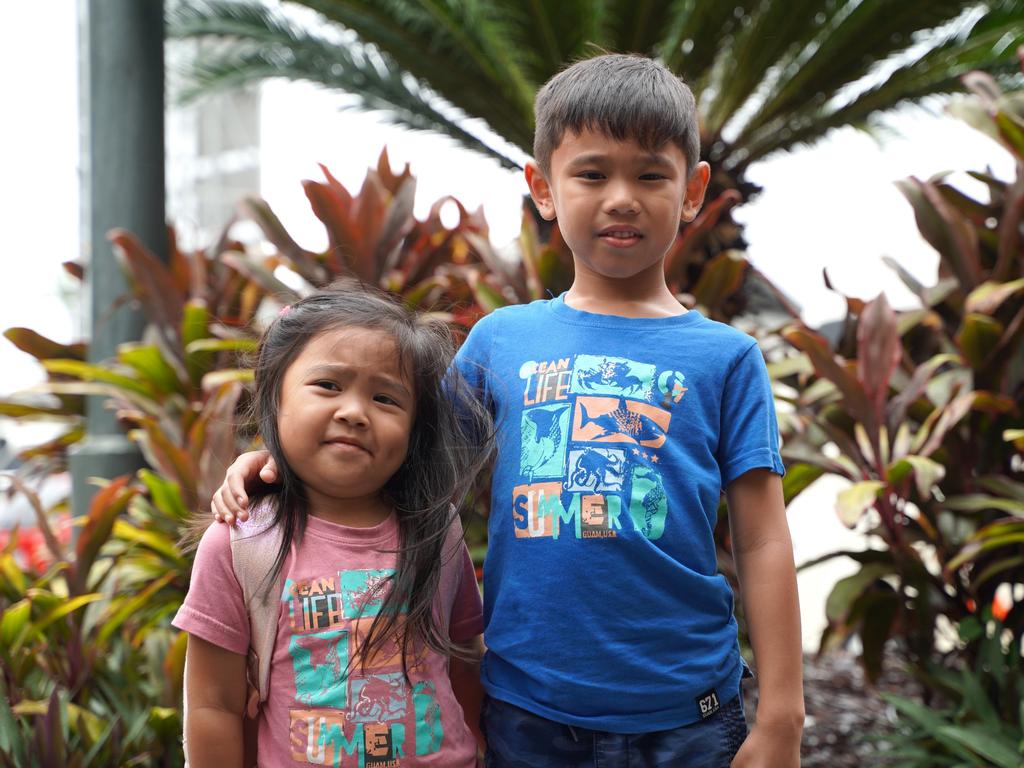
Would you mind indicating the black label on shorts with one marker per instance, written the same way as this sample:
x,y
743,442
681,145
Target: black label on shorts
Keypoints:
x,y
707,704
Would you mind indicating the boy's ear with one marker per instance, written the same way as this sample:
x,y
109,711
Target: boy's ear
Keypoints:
x,y
696,187
540,191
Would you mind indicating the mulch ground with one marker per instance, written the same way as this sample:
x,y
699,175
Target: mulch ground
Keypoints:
x,y
847,721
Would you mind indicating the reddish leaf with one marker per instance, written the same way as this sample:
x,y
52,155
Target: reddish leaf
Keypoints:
x,y
335,213
720,279
826,365
305,262
75,269
43,348
946,229
212,439
106,505
878,352
152,283
695,235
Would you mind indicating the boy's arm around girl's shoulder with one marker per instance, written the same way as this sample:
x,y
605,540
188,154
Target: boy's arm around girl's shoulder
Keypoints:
x,y
763,552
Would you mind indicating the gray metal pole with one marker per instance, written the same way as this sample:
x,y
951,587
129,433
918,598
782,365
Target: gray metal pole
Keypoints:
x,y
122,108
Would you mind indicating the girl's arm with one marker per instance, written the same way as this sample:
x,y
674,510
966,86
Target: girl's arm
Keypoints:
x,y
763,552
465,677
215,681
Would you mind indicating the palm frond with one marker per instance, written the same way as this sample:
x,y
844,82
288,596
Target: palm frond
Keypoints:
x,y
936,72
847,48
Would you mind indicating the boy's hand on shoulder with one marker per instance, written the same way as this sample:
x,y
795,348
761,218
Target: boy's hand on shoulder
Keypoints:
x,y
248,472
770,745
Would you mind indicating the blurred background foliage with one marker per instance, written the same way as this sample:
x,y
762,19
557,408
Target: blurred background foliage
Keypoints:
x,y
769,75
919,410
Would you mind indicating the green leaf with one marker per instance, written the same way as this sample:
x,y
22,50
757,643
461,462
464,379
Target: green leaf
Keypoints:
x,y
798,478
848,590
1002,752
927,473
977,502
852,503
66,607
124,609
16,410
165,493
989,296
488,298
978,337
14,623
89,372
222,345
149,362
150,539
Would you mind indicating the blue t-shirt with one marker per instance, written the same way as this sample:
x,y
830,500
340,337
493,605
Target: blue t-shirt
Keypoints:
x,y
603,606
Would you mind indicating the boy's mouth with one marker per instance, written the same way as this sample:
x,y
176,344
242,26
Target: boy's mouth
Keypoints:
x,y
620,235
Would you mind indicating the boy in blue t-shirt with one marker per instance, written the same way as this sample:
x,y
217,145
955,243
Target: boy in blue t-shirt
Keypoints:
x,y
621,417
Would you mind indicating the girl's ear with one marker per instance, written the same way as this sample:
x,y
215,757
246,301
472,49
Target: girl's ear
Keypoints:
x,y
697,185
540,191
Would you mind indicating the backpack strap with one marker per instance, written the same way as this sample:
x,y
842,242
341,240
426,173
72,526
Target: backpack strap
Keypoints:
x,y
254,546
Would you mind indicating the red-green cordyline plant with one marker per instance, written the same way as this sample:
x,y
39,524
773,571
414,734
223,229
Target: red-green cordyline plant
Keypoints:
x,y
922,412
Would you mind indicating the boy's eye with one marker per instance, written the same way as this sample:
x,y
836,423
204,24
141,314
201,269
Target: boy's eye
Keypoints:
x,y
652,177
590,175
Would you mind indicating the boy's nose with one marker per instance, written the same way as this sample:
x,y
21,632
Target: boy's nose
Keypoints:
x,y
621,200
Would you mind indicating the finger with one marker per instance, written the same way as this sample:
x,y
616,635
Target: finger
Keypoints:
x,y
268,474
235,498
215,510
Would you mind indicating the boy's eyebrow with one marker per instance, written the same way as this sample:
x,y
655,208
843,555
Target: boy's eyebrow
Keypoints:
x,y
594,158
378,379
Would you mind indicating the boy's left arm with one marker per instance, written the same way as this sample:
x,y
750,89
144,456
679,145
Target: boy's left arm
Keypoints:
x,y
763,552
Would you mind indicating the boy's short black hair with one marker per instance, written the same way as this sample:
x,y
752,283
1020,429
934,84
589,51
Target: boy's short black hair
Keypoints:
x,y
624,97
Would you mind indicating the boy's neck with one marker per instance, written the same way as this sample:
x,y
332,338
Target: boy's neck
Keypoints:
x,y
642,295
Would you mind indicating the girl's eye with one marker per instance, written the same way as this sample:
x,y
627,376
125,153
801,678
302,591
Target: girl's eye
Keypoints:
x,y
386,399
328,385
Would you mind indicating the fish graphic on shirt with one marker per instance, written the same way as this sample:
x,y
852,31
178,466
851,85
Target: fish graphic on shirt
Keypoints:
x,y
543,436
622,421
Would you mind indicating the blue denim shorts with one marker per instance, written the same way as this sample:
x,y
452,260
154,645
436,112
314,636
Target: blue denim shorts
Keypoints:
x,y
519,739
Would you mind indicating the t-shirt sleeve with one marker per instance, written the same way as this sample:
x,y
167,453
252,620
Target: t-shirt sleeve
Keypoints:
x,y
749,430
467,619
214,608
474,358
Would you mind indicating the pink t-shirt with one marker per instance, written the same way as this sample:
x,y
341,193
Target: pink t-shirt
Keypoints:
x,y
313,714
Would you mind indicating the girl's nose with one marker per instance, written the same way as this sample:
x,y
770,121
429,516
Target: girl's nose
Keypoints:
x,y
352,410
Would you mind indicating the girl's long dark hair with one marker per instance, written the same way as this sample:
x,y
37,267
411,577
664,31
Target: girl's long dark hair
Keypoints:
x,y
449,443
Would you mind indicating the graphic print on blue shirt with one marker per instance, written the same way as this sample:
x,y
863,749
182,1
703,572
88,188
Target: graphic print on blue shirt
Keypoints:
x,y
589,437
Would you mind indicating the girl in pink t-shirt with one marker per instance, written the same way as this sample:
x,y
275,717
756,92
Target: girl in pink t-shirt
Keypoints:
x,y
374,662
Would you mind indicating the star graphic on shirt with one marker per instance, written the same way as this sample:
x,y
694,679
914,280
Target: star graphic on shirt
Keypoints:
x,y
636,451
654,459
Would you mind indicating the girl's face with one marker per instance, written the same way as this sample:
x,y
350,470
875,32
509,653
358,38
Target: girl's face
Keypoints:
x,y
345,412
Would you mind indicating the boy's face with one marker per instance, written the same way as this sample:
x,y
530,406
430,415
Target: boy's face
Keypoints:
x,y
618,205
